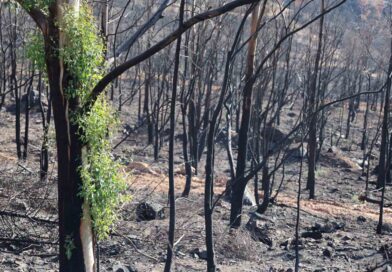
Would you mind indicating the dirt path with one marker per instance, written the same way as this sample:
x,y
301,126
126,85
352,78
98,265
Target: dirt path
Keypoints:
x,y
321,208
327,209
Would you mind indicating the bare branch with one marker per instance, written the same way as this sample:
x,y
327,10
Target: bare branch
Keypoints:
x,y
140,32
106,80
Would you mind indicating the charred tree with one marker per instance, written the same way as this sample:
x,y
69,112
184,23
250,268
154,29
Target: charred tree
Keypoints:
x,y
382,166
312,116
172,200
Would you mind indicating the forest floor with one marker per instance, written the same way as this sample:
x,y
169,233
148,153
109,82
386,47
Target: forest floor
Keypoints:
x,y
348,240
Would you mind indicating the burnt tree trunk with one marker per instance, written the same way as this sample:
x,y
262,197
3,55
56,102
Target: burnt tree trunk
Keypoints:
x,y
312,141
238,187
146,106
75,226
14,86
27,116
172,200
382,167
365,122
386,179
184,109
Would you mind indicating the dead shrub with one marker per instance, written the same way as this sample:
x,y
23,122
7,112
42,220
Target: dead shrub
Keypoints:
x,y
237,244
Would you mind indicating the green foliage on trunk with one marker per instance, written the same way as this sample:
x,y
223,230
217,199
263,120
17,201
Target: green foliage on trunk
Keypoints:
x,y
82,53
83,57
102,183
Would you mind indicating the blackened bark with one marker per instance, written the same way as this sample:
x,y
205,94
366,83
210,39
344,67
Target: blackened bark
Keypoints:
x,y
44,154
184,108
238,188
266,189
382,166
365,123
188,167
297,225
139,107
156,120
206,117
312,141
387,178
146,106
229,110
350,117
15,88
210,157
192,132
69,151
172,200
27,117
